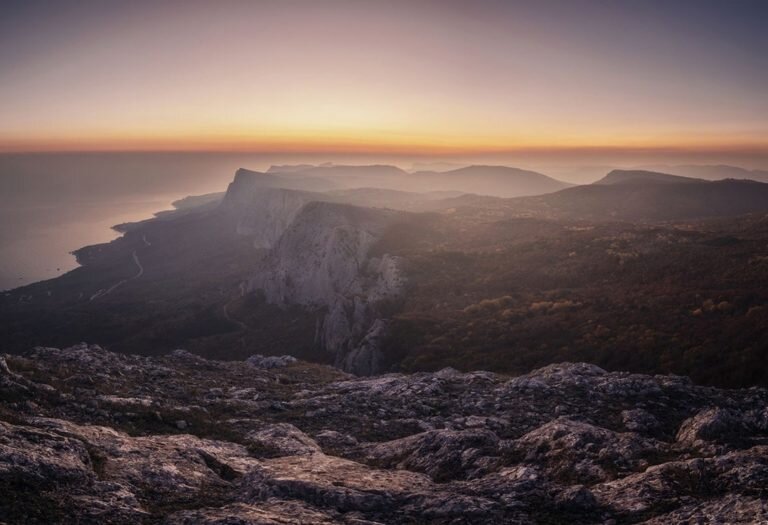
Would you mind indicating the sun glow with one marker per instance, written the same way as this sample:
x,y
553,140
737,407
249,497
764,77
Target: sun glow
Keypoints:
x,y
436,78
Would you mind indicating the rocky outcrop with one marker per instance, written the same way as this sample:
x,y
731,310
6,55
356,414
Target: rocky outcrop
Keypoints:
x,y
443,455
711,426
323,261
272,361
365,357
281,439
94,438
578,452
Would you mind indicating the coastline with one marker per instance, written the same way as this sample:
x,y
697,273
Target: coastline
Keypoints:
x,y
40,247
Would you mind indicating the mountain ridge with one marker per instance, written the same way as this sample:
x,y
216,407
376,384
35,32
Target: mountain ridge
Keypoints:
x,y
491,180
644,177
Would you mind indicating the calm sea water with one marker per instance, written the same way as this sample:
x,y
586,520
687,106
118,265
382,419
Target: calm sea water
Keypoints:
x,y
36,240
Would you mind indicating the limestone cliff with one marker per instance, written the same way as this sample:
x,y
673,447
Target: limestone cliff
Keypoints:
x,y
323,261
260,208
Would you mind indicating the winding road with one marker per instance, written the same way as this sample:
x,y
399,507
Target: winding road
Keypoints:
x,y
138,265
231,319
139,273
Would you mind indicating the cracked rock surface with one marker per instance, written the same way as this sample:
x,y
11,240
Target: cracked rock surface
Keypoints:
x,y
90,436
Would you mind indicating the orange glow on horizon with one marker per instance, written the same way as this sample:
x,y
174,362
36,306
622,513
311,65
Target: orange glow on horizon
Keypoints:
x,y
371,143
417,78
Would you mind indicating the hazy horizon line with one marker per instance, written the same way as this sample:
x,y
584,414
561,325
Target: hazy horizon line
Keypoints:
x,y
436,150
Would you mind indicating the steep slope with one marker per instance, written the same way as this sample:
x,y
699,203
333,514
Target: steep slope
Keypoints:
x,y
323,261
246,180
262,210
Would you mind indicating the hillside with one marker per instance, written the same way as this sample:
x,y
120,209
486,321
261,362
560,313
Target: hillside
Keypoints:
x,y
655,200
512,295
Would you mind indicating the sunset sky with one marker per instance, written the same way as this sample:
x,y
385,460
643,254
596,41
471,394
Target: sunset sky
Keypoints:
x,y
397,76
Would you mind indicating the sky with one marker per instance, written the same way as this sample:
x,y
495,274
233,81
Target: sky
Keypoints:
x,y
411,76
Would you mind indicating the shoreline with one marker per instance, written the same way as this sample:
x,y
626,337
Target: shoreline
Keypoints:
x,y
38,242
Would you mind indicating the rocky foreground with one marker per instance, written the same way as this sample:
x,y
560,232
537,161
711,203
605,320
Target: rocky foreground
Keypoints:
x,y
89,436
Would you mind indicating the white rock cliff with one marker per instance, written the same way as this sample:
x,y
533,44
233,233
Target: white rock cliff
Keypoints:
x,y
319,256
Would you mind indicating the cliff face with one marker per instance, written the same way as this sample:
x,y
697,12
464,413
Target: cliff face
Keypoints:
x,y
268,214
260,210
319,258
323,261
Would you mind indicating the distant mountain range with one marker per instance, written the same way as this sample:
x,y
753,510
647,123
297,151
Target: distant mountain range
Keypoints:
x,y
712,172
646,195
634,195
644,177
500,181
